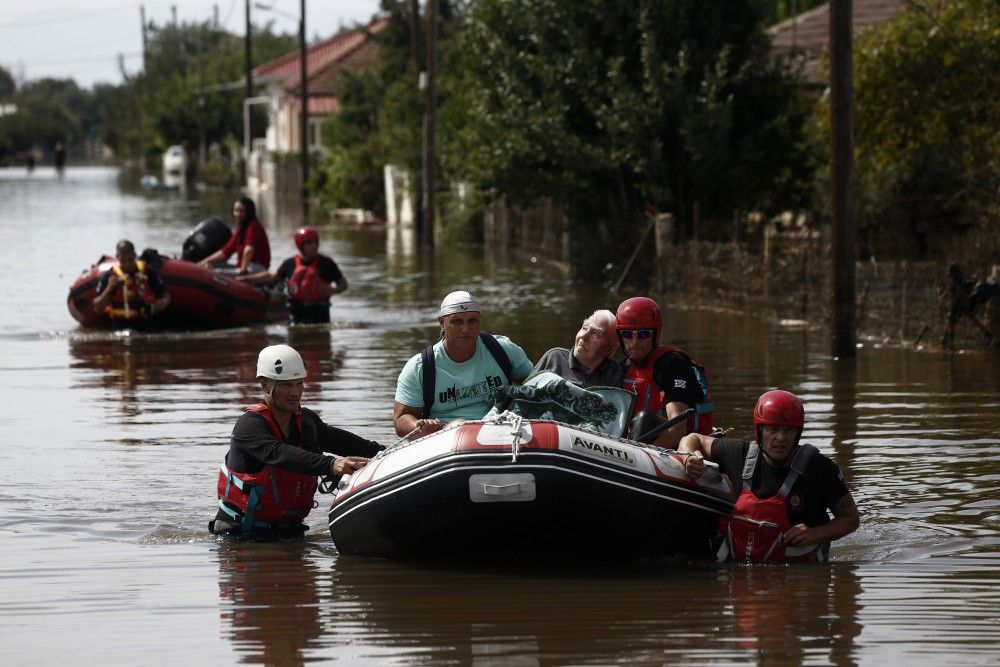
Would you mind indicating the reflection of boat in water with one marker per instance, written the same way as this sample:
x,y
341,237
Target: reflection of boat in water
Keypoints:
x,y
514,485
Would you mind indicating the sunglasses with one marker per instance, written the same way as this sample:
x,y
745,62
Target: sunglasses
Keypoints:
x,y
638,333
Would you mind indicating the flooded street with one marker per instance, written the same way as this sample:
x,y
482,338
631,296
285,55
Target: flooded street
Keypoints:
x,y
111,444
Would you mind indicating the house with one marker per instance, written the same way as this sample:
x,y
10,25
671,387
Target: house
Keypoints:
x,y
805,37
351,49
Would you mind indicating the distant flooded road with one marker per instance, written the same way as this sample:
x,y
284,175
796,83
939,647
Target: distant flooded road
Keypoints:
x,y
111,443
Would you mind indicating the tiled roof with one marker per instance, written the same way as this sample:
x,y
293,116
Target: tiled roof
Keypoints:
x,y
807,35
285,71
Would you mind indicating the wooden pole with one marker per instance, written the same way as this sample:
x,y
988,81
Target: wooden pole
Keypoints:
x,y
429,166
843,238
304,115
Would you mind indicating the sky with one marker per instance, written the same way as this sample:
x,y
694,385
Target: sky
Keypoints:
x,y
81,39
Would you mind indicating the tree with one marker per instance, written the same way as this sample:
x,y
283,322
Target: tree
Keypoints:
x,y
927,113
608,106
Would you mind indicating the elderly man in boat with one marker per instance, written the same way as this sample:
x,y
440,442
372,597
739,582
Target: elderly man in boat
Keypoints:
x,y
457,377
785,488
589,363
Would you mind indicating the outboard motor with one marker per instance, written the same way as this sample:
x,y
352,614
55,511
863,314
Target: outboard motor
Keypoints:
x,y
208,236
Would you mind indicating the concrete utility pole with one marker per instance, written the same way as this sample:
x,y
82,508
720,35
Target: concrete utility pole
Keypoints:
x,y
429,166
142,20
248,93
304,118
843,232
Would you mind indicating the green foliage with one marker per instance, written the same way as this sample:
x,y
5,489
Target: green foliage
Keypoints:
x,y
608,106
7,84
927,113
48,111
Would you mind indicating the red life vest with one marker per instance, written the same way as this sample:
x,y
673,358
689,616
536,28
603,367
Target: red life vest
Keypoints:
x,y
133,296
305,284
270,496
754,531
649,397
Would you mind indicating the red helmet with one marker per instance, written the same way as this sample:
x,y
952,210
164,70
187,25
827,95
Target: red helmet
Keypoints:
x,y
639,313
778,408
305,235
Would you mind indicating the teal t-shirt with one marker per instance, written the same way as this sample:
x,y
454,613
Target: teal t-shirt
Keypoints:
x,y
461,390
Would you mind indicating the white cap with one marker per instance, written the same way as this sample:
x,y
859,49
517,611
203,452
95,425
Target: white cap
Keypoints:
x,y
458,302
280,362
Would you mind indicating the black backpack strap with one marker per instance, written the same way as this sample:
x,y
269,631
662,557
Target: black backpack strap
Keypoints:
x,y
799,463
428,370
499,354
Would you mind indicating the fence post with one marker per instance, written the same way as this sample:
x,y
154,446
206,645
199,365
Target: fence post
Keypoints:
x,y
664,237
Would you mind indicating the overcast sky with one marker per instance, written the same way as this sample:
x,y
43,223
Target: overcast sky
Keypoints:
x,y
81,39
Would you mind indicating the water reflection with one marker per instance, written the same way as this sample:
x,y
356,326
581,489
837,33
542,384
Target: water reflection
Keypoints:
x,y
844,386
269,600
775,616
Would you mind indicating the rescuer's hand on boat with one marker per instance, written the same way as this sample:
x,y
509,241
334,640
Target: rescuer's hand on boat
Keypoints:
x,y
347,465
694,465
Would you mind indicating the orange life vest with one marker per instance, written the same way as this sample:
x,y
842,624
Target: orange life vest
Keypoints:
x,y
133,297
754,531
270,496
305,284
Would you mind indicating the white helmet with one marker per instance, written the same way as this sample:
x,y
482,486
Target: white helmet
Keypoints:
x,y
280,362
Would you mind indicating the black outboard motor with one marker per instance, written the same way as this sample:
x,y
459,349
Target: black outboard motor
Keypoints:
x,y
208,236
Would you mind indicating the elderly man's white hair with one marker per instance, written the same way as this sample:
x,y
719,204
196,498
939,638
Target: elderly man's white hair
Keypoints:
x,y
606,320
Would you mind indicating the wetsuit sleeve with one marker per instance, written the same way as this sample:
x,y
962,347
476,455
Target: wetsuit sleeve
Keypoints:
x,y
830,481
286,269
520,365
730,455
329,271
254,443
344,443
676,377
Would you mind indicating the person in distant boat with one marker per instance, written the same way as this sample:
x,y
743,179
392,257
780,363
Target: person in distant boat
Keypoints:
x,y
785,488
253,252
589,363
310,279
276,453
455,378
130,290
665,379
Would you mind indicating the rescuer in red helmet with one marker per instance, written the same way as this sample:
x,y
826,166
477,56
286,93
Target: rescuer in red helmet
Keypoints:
x,y
665,379
311,279
785,488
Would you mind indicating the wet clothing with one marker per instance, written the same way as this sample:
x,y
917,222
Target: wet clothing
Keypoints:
x,y
254,445
563,363
143,288
461,390
669,375
304,303
254,235
818,489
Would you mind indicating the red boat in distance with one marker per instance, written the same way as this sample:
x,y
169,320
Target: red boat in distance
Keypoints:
x,y
200,298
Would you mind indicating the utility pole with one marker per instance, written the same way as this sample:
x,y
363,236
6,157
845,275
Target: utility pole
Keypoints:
x,y
201,96
142,20
843,227
248,93
429,185
304,118
173,15
415,36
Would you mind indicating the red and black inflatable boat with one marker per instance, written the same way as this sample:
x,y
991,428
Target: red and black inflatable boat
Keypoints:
x,y
511,487
199,298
